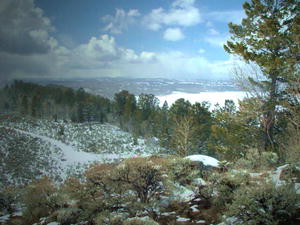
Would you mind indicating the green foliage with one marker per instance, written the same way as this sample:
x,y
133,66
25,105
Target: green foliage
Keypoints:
x,y
264,205
55,102
231,133
255,160
225,185
267,38
182,171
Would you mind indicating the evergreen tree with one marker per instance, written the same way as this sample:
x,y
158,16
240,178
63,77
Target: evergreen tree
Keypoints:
x,y
24,105
269,37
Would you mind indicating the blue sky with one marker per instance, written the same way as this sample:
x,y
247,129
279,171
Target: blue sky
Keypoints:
x,y
129,38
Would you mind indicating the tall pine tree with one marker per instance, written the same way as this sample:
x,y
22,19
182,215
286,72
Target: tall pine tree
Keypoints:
x,y
268,37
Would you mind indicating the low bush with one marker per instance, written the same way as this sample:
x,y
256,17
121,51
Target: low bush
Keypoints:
x,y
41,198
140,221
142,176
66,216
182,171
263,204
224,186
254,160
9,196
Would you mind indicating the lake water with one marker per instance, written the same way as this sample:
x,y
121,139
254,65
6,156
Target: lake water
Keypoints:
x,y
212,97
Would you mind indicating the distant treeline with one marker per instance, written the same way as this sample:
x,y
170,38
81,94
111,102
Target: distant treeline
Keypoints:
x,y
53,102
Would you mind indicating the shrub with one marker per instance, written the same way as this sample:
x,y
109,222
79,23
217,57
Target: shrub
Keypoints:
x,y
41,198
132,186
140,221
225,184
263,204
254,160
141,176
8,198
66,216
97,193
182,171
291,151
108,218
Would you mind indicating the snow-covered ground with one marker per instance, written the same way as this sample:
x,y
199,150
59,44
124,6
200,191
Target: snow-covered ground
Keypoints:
x,y
212,97
33,148
70,155
89,137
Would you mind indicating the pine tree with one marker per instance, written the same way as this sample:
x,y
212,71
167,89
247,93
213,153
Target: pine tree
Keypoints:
x,y
24,105
268,37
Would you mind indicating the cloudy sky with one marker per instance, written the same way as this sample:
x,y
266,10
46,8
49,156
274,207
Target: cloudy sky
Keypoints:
x,y
129,38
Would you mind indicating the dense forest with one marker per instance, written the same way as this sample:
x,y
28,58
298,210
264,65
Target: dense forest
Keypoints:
x,y
257,143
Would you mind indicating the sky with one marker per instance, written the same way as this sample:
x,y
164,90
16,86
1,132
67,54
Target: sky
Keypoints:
x,y
181,39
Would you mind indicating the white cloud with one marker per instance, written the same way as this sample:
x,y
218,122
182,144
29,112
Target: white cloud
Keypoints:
x,y
120,21
100,49
213,31
181,13
103,57
217,40
201,51
234,16
173,34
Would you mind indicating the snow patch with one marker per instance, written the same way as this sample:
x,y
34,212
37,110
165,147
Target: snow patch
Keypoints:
x,y
182,193
182,219
206,160
4,218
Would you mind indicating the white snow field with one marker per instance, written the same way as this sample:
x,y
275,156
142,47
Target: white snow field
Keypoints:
x,y
212,97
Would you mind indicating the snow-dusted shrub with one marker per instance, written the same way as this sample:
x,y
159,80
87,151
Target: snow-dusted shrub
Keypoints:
x,y
224,165
97,193
182,170
8,199
255,160
140,221
108,218
66,216
142,176
41,198
263,204
225,184
291,174
131,186
291,152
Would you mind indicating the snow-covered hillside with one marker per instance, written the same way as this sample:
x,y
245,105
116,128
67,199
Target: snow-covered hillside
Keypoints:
x,y
89,137
33,148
